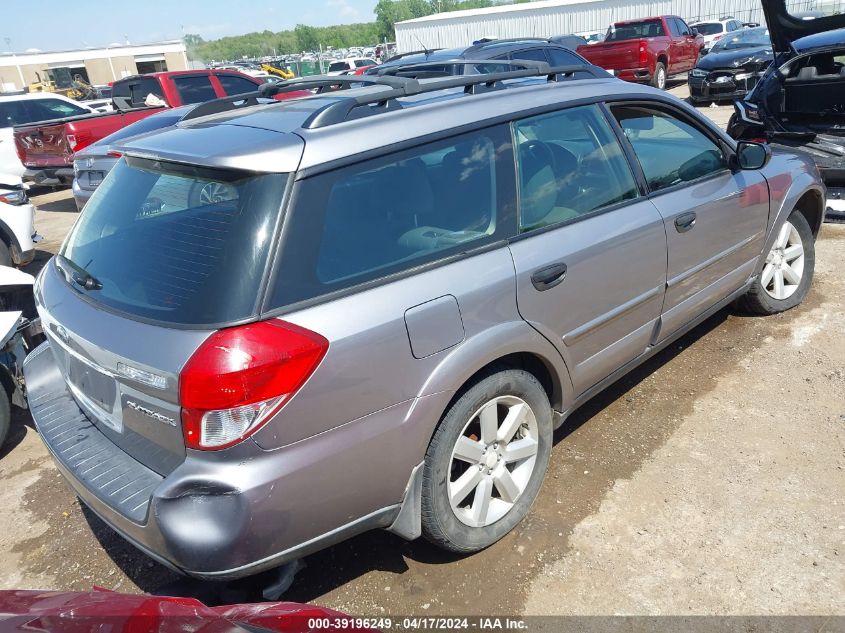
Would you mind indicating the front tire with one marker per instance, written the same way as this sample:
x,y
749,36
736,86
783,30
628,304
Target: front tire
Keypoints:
x,y
5,415
486,462
787,272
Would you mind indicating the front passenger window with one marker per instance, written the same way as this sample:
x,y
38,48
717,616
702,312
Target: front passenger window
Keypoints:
x,y
670,150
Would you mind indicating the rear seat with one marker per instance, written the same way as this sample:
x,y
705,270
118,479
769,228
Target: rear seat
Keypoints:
x,y
812,91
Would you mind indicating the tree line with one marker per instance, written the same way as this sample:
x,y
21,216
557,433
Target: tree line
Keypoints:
x,y
311,38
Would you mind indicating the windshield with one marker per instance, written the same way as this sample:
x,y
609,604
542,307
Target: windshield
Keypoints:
x,y
709,28
746,38
175,243
635,30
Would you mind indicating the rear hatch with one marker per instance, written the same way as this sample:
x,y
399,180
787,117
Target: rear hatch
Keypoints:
x,y
164,254
789,25
91,168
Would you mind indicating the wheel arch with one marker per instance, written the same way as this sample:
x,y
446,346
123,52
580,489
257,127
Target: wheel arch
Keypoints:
x,y
812,206
512,345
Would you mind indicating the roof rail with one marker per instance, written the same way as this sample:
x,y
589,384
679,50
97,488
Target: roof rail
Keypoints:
x,y
395,87
318,82
407,70
342,109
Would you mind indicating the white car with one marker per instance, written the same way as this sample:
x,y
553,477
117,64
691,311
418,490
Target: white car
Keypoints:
x,y
17,223
22,109
714,30
593,37
350,64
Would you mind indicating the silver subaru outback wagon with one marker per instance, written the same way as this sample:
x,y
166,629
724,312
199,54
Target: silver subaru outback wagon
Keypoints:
x,y
278,326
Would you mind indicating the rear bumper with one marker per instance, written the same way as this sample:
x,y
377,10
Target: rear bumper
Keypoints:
x,y
226,514
80,195
48,175
636,75
703,89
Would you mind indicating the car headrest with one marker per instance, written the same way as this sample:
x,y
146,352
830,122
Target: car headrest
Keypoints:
x,y
808,72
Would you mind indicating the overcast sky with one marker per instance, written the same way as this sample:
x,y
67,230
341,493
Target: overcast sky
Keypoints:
x,y
58,24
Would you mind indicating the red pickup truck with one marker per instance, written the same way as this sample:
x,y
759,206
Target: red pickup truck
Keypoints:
x,y
46,149
648,50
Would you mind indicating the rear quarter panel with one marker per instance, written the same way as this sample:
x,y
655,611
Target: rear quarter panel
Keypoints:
x,y
370,365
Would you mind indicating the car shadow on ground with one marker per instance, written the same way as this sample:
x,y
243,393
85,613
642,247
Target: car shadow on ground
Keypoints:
x,y
20,424
373,551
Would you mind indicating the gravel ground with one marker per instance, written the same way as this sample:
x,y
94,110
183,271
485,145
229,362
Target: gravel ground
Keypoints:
x,y
708,481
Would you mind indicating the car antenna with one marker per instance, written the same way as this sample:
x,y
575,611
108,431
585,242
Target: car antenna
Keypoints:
x,y
425,50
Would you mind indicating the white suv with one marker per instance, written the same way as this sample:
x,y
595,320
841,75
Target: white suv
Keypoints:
x,y
349,65
714,30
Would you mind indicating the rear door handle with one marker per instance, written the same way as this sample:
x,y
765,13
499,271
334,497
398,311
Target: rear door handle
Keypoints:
x,y
549,277
685,222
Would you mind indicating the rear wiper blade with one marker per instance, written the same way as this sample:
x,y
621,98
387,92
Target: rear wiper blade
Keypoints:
x,y
82,277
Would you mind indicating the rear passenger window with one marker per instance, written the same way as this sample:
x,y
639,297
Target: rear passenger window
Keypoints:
x,y
532,54
670,150
360,223
560,57
233,85
195,89
570,165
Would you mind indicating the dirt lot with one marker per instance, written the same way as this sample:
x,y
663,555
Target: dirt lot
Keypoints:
x,y
709,481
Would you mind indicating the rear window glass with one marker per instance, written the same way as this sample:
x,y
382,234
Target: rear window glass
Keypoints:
x,y
338,66
388,215
710,28
635,30
177,244
195,89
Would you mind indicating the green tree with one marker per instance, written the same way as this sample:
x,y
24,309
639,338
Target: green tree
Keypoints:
x,y
307,38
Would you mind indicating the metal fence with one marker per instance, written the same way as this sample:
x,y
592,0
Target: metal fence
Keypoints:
x,y
545,19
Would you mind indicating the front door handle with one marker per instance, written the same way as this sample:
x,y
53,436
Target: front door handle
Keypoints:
x,y
685,222
549,277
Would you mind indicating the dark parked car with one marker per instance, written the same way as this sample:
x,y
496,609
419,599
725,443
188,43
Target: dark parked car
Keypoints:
x,y
733,67
436,62
799,103
571,42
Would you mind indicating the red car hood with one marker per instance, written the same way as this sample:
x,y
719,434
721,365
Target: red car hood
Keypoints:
x,y
98,611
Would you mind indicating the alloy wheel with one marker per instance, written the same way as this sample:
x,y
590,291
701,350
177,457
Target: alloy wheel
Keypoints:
x,y
784,267
492,461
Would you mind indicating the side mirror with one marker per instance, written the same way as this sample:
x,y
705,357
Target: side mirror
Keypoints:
x,y
694,31
752,155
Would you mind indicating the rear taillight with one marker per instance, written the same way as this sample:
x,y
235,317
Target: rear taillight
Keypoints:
x,y
115,154
240,377
643,55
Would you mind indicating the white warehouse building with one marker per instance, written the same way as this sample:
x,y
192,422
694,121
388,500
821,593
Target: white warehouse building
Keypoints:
x,y
546,18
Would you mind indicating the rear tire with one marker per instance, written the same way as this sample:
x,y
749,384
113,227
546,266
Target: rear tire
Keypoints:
x,y
5,415
486,462
658,80
788,271
5,255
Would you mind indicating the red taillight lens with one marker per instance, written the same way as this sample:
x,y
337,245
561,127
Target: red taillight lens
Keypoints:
x,y
643,55
115,154
240,377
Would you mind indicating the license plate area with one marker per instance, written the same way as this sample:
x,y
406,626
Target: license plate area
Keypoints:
x,y
95,178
